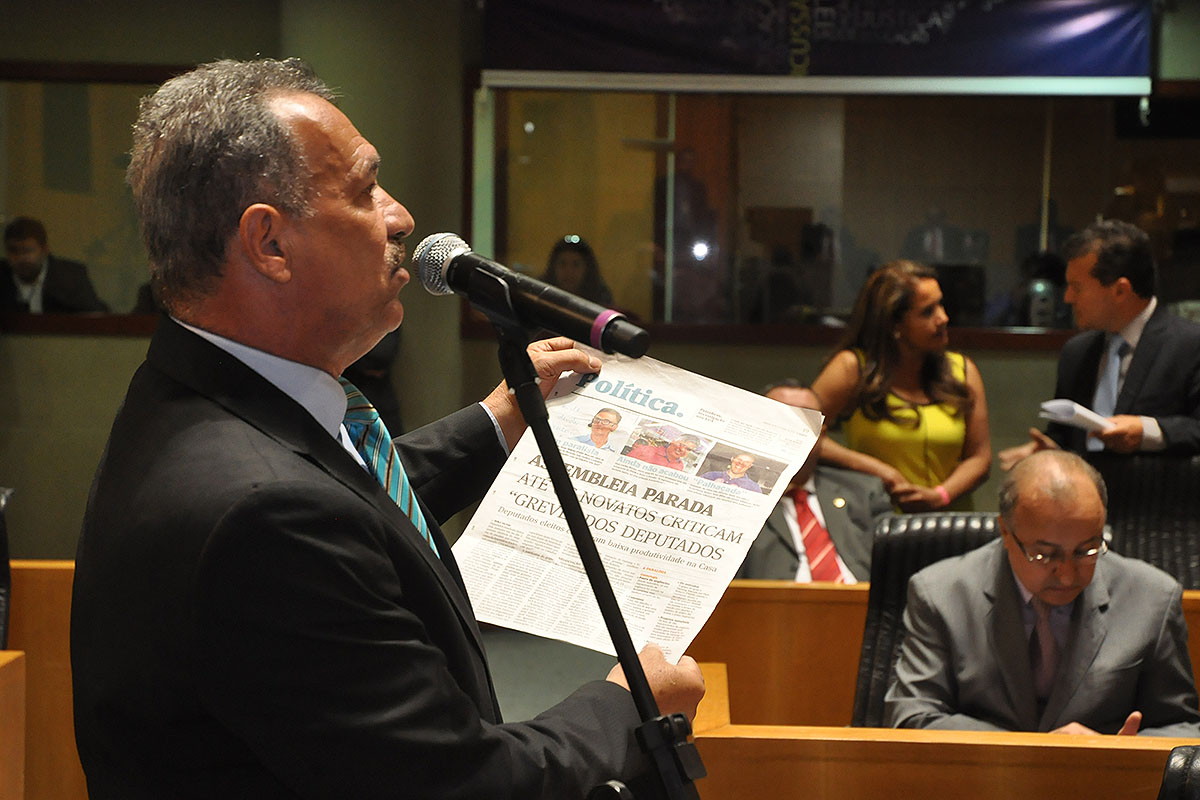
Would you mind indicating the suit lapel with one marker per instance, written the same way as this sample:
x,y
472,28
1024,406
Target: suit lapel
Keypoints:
x,y
1083,386
1143,359
835,506
777,526
1087,632
212,372
1009,645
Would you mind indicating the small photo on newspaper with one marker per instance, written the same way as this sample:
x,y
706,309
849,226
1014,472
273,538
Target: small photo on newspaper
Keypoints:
x,y
676,474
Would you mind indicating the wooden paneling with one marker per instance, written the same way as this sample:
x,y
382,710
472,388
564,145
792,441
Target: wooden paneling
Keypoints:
x,y
40,624
12,725
792,656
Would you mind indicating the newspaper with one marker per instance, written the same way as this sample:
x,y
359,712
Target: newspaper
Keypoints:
x,y
1068,412
676,474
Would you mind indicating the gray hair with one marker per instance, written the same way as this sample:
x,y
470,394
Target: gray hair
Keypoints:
x,y
206,146
1053,482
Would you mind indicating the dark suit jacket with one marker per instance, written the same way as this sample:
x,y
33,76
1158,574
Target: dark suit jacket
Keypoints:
x,y
67,288
851,525
1163,381
964,663
254,617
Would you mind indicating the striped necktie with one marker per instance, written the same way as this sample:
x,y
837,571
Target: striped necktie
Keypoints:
x,y
818,547
373,442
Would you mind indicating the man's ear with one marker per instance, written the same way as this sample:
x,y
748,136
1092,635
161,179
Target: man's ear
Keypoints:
x,y
262,236
1122,288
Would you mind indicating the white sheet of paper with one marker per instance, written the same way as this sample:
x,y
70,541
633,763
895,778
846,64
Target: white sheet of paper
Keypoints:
x,y
1068,412
671,539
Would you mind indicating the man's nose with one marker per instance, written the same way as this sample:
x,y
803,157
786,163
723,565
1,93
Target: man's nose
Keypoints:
x,y
1066,570
399,221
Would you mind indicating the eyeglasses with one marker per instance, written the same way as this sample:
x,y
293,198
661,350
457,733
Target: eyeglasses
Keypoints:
x,y
1058,556
603,423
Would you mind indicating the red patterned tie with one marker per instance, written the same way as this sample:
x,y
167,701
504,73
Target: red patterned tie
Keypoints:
x,y
822,556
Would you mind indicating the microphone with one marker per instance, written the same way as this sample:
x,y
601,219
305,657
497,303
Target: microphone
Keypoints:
x,y
445,264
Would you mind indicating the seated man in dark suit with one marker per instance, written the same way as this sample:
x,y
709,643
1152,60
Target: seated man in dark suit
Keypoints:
x,y
840,510
1136,363
31,279
1043,629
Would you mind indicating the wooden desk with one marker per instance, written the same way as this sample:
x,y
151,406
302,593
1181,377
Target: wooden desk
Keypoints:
x,y
777,638
829,763
792,649
12,724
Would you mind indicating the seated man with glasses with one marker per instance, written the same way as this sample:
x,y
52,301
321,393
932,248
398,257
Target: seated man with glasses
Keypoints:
x,y
602,425
1044,629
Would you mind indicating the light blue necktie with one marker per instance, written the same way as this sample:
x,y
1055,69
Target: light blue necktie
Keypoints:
x,y
1105,401
373,442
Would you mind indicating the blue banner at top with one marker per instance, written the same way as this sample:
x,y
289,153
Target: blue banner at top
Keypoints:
x,y
965,38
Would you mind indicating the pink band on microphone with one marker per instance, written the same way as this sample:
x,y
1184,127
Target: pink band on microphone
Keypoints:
x,y
601,323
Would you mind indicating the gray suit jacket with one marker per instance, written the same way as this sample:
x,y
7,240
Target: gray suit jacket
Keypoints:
x,y
852,503
964,663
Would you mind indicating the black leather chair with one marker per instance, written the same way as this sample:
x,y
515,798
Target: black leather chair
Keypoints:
x,y
1181,777
1154,510
903,545
5,573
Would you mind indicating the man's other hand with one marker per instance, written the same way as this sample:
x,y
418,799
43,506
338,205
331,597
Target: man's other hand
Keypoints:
x,y
677,687
1009,457
1125,436
1130,728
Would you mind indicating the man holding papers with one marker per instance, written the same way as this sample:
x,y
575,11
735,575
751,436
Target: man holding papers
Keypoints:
x,y
1044,629
264,604
1136,364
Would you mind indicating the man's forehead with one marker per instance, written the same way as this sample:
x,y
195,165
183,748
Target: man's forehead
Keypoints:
x,y
1081,266
1064,520
329,138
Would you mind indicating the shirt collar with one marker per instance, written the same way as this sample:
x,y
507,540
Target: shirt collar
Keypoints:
x,y
29,292
315,390
1133,331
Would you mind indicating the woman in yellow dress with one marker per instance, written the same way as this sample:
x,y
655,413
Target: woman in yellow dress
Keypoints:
x,y
913,412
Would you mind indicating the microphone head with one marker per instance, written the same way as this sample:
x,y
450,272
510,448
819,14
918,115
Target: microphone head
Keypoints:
x,y
432,258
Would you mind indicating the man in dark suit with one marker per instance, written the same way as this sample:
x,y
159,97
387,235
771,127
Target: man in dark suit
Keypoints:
x,y
254,615
1149,357
1042,629
31,279
847,503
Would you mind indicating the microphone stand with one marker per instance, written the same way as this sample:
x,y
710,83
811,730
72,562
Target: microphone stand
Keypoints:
x,y
663,738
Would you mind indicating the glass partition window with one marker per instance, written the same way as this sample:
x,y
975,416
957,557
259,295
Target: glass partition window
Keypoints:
x,y
756,208
65,149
